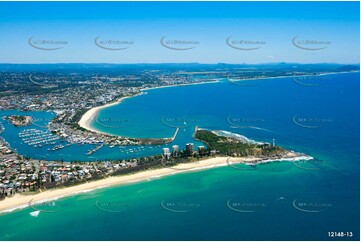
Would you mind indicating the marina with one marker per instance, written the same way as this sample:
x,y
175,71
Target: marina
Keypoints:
x,y
59,147
236,179
38,138
180,121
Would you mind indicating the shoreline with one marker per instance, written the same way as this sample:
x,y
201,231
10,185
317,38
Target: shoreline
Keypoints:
x,y
293,76
20,201
88,117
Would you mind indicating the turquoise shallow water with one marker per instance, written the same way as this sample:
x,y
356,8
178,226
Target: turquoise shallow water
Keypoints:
x,y
278,201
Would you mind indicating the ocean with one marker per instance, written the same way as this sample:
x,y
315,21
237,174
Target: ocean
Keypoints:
x,y
303,200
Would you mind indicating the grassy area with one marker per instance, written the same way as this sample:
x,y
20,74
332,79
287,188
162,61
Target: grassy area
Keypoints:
x,y
234,147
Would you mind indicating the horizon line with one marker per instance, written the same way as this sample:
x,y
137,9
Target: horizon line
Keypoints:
x,y
175,63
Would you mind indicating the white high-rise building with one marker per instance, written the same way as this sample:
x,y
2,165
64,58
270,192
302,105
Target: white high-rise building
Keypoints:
x,y
166,152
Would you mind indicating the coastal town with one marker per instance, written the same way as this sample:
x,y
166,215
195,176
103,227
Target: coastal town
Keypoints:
x,y
180,120
70,96
19,174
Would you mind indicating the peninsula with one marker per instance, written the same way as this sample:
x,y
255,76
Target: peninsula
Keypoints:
x,y
76,101
82,177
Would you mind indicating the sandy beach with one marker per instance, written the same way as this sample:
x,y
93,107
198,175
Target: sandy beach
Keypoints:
x,y
88,117
20,201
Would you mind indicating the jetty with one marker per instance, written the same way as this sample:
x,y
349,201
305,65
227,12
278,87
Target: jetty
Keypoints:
x,y
92,151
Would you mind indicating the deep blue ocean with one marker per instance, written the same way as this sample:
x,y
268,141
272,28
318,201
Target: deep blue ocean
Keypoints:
x,y
301,200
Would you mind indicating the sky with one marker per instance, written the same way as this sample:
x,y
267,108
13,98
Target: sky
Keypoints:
x,y
179,32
